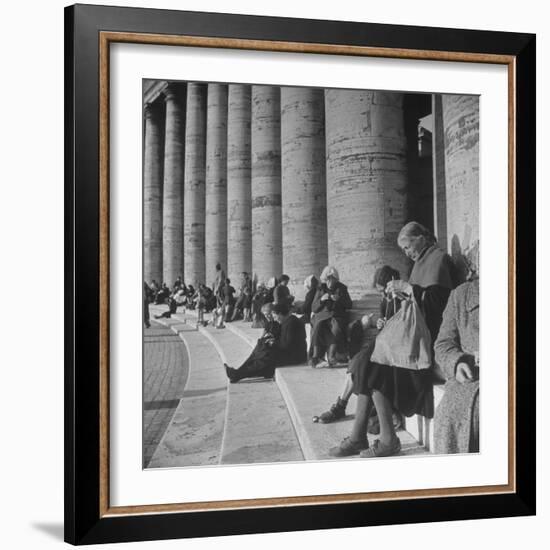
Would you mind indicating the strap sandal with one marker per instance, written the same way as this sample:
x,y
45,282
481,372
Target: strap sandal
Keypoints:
x,y
348,447
380,450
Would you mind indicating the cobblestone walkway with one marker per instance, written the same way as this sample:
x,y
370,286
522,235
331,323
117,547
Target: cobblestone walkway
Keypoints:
x,y
166,368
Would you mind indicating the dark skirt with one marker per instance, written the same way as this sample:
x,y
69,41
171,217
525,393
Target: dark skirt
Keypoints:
x,y
409,391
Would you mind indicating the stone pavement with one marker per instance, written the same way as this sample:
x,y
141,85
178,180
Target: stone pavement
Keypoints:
x,y
194,435
165,370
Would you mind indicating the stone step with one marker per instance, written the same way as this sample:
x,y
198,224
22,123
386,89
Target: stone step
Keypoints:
x,y
258,428
307,393
194,435
245,331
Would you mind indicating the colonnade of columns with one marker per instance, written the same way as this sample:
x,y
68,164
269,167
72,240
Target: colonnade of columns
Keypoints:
x,y
272,180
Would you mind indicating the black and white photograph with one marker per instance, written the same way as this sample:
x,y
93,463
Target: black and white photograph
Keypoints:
x,y
310,274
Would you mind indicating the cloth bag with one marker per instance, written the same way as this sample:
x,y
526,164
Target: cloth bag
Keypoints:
x,y
405,340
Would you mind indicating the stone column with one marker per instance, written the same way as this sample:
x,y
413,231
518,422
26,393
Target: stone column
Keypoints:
x,y
152,192
461,127
239,235
366,184
194,193
438,162
216,180
304,205
172,208
266,182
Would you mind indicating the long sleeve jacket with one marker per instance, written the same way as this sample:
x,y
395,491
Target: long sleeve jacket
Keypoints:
x,y
458,339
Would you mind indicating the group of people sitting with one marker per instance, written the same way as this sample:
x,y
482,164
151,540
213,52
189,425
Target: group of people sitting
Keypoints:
x,y
222,300
384,391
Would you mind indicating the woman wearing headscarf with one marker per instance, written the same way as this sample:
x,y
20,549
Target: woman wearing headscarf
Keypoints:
x,y
456,422
389,387
263,359
328,330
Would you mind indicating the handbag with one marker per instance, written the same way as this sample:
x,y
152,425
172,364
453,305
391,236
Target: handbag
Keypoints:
x,y
405,340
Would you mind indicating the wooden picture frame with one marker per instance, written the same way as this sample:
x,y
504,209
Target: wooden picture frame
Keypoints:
x,y
89,32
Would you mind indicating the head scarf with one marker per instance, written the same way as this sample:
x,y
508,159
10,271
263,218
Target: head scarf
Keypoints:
x,y
329,271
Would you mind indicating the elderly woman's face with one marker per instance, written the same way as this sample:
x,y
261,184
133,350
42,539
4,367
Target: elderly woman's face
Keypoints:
x,y
412,246
331,281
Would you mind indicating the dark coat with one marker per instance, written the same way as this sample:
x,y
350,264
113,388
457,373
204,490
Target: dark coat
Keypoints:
x,y
333,307
281,295
329,323
305,307
265,355
292,345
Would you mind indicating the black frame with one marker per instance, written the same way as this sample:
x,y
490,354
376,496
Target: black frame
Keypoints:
x,y
83,524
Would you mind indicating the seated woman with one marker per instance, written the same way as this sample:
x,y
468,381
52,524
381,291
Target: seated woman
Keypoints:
x,y
304,308
172,308
456,352
291,345
283,343
389,387
261,362
244,301
361,347
263,295
162,294
328,329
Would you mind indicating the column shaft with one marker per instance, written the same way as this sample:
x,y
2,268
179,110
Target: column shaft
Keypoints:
x,y
304,213
216,180
172,210
152,193
194,192
461,127
438,162
239,235
266,182
366,184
